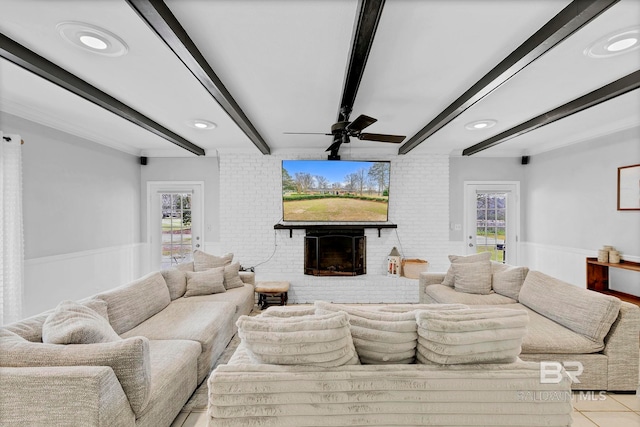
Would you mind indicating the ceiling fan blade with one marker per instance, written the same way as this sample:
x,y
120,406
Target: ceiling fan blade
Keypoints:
x,y
395,139
334,147
305,133
360,123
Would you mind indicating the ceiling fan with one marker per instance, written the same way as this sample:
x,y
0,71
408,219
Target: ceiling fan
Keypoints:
x,y
343,130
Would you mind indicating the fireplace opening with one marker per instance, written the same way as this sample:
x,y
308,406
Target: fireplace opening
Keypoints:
x,y
335,252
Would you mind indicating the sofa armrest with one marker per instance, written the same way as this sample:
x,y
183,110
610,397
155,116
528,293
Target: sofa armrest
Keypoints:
x,y
128,358
51,396
427,279
248,277
622,349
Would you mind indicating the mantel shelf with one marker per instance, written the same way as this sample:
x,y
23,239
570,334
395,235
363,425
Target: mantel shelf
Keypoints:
x,y
361,226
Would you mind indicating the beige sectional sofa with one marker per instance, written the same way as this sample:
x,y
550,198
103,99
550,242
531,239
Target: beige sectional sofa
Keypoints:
x,y
296,367
169,344
577,327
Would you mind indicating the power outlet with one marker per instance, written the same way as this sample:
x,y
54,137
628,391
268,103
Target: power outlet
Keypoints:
x,y
457,227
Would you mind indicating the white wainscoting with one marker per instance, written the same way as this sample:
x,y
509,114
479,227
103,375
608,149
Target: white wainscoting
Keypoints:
x,y
569,265
72,276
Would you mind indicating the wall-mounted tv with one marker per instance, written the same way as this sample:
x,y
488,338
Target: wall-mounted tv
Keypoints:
x,y
335,191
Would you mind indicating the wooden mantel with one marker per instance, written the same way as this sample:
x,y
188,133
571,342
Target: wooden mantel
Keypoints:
x,y
598,278
357,226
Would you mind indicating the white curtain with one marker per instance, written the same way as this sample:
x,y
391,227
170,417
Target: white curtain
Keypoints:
x,y
11,237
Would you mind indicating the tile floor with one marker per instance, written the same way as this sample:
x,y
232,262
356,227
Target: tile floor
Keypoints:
x,y
589,410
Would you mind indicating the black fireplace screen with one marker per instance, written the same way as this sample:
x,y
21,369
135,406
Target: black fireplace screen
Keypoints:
x,y
335,253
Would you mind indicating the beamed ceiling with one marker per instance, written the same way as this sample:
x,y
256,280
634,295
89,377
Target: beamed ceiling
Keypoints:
x,y
275,75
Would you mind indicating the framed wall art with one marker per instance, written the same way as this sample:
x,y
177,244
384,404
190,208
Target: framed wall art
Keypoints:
x,y
629,188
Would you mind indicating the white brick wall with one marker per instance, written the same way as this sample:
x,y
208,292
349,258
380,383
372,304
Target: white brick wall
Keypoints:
x,y
250,205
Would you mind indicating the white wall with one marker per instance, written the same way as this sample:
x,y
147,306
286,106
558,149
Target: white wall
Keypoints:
x,y
81,215
251,204
571,208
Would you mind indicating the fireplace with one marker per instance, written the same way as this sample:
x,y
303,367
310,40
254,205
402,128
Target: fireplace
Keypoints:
x,y
335,252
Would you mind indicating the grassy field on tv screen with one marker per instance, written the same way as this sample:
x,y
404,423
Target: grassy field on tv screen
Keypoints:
x,y
335,191
335,209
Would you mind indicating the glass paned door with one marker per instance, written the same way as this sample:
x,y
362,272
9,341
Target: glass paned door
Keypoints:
x,y
174,222
492,219
491,224
177,237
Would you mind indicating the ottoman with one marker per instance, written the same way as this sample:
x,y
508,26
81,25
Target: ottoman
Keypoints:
x,y
274,290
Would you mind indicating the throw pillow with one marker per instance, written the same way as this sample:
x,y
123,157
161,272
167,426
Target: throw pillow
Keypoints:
x,y
186,266
379,337
314,340
176,282
472,278
509,281
449,279
474,335
203,261
288,311
74,323
205,282
232,276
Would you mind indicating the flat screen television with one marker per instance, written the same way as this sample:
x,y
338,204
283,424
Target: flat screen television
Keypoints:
x,y
335,191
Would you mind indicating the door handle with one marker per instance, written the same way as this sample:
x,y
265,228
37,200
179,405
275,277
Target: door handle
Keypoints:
x,y
470,245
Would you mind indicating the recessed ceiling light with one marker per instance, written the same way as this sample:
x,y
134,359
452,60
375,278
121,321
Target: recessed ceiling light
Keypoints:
x,y
480,124
613,44
92,38
622,44
202,124
93,42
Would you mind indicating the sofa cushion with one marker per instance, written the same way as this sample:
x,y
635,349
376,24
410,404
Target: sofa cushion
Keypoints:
x,y
74,323
403,308
242,298
129,359
176,282
173,380
232,276
472,277
133,303
208,323
476,335
205,282
316,340
379,337
203,261
449,279
508,280
546,336
446,295
585,312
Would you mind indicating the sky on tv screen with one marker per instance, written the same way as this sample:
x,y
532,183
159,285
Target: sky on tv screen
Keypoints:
x,y
334,170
